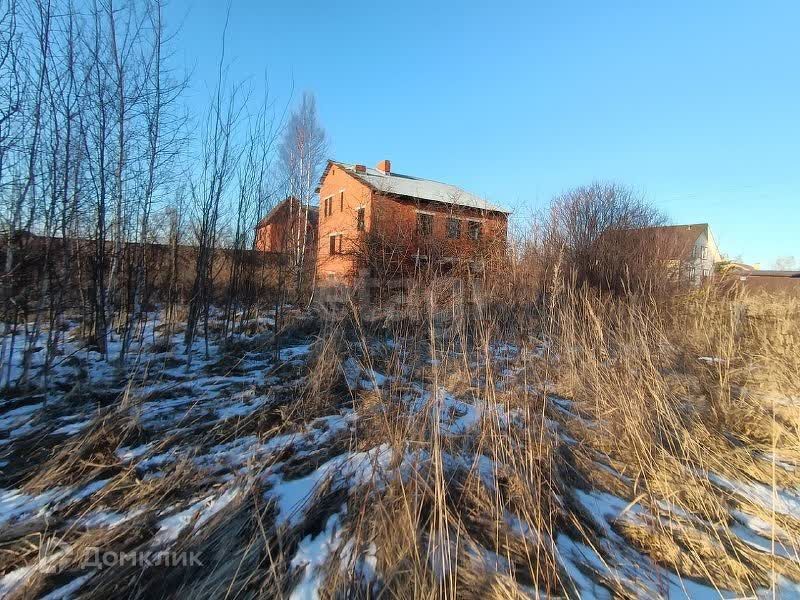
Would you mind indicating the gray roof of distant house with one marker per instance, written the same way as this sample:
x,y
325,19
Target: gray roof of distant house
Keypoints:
x,y
421,189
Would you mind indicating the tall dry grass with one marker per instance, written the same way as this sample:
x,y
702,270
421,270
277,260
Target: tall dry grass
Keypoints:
x,y
665,398
499,438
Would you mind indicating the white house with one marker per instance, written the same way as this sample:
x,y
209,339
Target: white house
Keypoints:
x,y
692,249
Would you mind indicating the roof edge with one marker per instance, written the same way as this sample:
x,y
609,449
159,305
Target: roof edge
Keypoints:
x,y
357,176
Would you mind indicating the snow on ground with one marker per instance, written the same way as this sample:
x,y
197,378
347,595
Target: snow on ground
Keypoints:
x,y
343,471
14,504
227,420
169,528
312,554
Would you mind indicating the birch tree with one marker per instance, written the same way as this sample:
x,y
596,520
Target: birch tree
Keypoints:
x,y
302,156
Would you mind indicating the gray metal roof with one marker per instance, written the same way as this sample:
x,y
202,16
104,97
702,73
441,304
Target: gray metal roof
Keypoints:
x,y
422,189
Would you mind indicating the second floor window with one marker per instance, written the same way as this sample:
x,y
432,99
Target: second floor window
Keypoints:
x,y
424,224
335,244
360,224
453,228
341,201
326,208
475,230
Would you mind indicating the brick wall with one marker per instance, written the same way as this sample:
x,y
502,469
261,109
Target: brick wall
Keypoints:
x,y
344,195
395,218
399,216
276,234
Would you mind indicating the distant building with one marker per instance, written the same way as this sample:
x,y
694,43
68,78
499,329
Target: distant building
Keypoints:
x,y
288,227
432,220
749,278
694,249
690,250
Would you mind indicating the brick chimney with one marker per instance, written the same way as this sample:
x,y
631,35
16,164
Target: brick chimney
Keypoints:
x,y
361,169
385,166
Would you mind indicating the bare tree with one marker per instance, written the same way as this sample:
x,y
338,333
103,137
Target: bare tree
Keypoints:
x,y
11,108
253,197
163,130
218,166
25,199
10,87
598,235
92,135
302,156
175,214
96,128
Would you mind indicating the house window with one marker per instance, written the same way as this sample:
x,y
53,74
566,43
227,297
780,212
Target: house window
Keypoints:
x,y
692,273
424,224
341,201
453,228
475,230
326,207
360,224
706,273
332,244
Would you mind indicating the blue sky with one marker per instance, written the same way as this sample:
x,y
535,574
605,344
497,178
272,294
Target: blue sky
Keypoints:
x,y
695,104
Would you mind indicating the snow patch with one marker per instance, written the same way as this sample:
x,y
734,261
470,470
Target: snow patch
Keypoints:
x,y
196,515
312,554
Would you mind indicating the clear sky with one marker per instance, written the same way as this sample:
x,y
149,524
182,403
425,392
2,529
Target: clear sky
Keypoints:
x,y
696,104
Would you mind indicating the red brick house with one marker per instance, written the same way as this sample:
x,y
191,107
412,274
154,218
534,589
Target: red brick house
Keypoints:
x,y
430,220
281,230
